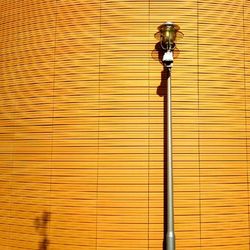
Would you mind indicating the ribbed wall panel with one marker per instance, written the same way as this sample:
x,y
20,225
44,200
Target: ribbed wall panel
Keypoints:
x,y
81,153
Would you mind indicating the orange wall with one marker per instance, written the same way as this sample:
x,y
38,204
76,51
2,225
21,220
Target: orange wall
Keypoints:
x,y
82,125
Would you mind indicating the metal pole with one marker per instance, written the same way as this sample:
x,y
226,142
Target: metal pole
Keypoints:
x,y
170,235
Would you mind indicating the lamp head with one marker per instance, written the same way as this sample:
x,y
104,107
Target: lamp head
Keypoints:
x,y
168,33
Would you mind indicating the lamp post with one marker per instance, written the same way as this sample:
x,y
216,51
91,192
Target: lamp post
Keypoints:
x,y
167,34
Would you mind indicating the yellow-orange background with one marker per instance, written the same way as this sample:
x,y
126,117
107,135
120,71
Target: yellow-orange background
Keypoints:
x,y
82,125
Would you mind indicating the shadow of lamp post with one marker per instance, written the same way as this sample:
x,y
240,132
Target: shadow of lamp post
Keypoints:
x,y
167,35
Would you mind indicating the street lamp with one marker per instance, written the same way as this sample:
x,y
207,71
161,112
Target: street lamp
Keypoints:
x,y
167,34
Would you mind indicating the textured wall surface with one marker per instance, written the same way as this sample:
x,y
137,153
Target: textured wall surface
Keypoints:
x,y
81,152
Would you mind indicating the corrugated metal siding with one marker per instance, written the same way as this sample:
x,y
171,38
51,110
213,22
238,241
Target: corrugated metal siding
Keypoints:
x,y
81,157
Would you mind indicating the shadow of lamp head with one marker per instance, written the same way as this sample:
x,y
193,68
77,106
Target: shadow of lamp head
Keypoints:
x,y
42,224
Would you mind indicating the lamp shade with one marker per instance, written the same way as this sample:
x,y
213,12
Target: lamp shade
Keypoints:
x,y
168,34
